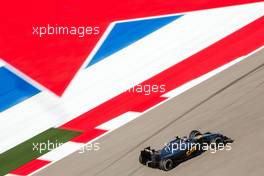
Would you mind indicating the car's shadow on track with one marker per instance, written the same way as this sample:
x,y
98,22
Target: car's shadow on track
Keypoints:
x,y
180,162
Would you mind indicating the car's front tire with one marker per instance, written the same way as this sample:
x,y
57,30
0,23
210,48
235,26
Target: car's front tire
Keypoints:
x,y
194,133
216,141
141,160
166,164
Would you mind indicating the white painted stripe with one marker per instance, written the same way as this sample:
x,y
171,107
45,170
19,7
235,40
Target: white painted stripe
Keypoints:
x,y
119,121
61,151
134,64
1,64
19,123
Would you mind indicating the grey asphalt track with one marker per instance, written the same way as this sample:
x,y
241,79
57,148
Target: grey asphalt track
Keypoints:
x,y
232,103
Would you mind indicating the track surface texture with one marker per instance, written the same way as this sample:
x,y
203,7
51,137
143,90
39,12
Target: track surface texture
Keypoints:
x,y
232,103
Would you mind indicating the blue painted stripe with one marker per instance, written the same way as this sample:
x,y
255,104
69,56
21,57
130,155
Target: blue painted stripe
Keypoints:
x,y
126,33
13,89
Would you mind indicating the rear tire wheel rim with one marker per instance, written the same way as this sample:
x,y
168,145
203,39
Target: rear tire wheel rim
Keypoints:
x,y
168,164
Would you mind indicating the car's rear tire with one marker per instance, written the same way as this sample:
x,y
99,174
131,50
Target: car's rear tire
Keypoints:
x,y
194,133
166,164
141,160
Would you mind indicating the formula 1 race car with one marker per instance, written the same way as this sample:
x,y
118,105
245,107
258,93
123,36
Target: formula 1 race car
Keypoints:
x,y
181,149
